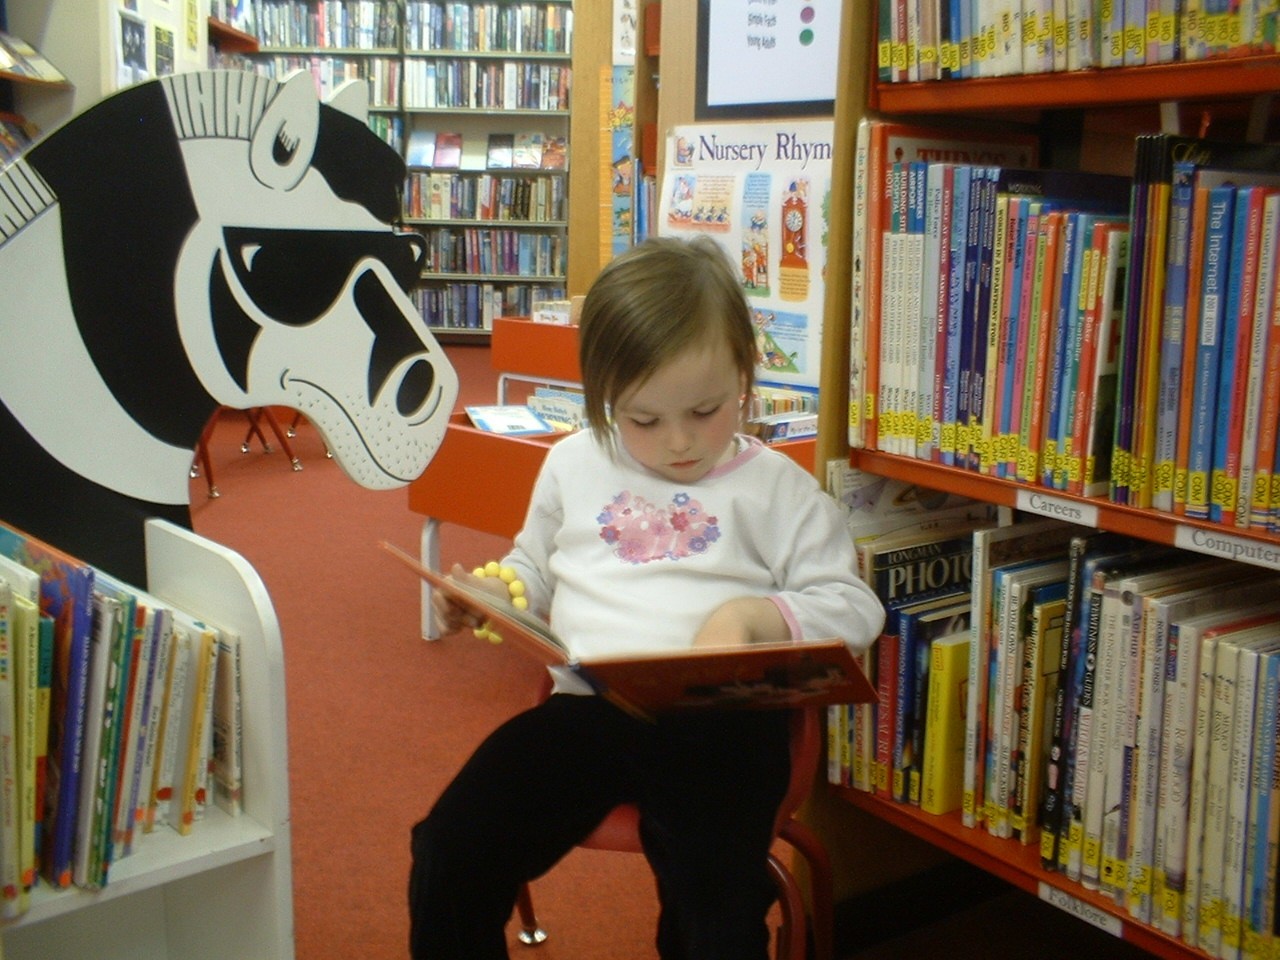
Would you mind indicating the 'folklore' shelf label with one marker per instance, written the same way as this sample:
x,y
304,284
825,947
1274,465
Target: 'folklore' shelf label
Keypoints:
x,y
1082,910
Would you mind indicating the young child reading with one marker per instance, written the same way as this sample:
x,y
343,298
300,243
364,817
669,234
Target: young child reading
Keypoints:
x,y
659,528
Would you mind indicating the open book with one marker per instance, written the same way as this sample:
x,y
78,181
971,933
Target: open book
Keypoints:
x,y
759,676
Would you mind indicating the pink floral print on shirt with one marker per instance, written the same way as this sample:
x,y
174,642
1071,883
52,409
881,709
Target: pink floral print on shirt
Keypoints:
x,y
640,531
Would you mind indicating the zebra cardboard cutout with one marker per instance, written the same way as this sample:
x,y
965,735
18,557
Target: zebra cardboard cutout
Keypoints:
x,y
205,239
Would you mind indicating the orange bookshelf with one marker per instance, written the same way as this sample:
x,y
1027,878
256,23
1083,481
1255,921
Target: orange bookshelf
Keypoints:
x,y
1061,106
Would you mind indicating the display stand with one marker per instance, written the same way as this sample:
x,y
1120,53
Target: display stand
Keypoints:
x,y
225,890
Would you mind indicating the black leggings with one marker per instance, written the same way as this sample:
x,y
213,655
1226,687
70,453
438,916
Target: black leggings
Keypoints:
x,y
708,786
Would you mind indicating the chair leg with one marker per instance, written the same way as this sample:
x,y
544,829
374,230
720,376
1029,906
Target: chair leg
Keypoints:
x,y
791,938
530,933
279,434
201,461
821,885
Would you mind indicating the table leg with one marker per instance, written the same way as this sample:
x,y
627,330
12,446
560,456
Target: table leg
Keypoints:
x,y
430,553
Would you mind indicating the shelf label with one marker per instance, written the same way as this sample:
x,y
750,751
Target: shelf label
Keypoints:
x,y
1033,501
1084,911
1261,553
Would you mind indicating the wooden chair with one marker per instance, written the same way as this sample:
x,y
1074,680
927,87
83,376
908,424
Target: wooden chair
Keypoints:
x,y
620,831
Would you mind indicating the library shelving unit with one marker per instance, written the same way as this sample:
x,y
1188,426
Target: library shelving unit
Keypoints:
x,y
496,219
496,234
224,890
1240,85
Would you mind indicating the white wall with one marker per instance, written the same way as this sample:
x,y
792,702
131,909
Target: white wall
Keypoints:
x,y
82,38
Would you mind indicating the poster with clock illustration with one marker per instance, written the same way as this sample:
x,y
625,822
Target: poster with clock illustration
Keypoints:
x,y
761,191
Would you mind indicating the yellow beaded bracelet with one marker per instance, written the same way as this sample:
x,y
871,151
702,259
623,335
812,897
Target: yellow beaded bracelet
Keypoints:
x,y
515,588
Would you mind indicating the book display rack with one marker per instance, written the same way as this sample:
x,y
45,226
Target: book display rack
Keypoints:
x,y
476,97
225,889
1058,105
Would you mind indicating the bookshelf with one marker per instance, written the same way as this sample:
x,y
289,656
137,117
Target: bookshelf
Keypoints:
x,y
225,889
496,231
1235,93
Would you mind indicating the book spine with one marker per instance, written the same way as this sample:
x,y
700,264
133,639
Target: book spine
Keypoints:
x,y
944,729
1091,763
969,315
1059,389
929,309
1218,246
1025,324
1173,322
955,312
1264,828
1006,447
1118,697
945,264
1094,254
903,708
886,689
1237,332
1062,719
1238,792
1032,434
1147,768
987,212
1217,792
990,413
913,269
1100,467
1250,418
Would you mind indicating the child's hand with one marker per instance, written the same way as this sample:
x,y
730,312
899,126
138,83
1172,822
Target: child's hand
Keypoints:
x,y
736,623
454,614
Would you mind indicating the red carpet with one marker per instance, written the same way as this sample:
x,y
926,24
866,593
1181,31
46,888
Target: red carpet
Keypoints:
x,y
379,720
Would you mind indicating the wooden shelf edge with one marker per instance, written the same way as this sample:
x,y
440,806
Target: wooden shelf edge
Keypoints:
x,y
1018,865
1199,80
230,39
1203,536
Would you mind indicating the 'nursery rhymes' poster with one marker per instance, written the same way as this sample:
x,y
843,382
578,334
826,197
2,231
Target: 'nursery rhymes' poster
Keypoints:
x,y
761,190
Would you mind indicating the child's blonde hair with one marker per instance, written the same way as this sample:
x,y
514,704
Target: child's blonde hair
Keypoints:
x,y
651,304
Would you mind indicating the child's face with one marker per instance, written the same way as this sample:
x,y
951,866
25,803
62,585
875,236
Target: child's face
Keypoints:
x,y
681,421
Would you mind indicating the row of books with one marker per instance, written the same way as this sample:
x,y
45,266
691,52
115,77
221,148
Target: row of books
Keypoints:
x,y
1019,269
523,150
486,85
483,196
1106,336
118,714
330,24
488,26
472,306
389,128
1110,703
502,252
958,39
382,74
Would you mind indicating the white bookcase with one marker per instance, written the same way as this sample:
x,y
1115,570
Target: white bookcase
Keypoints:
x,y
224,891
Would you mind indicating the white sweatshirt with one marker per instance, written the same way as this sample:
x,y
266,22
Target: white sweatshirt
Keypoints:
x,y
623,561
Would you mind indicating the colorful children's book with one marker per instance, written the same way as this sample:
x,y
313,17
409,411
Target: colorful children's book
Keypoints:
x,y
66,596
758,676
